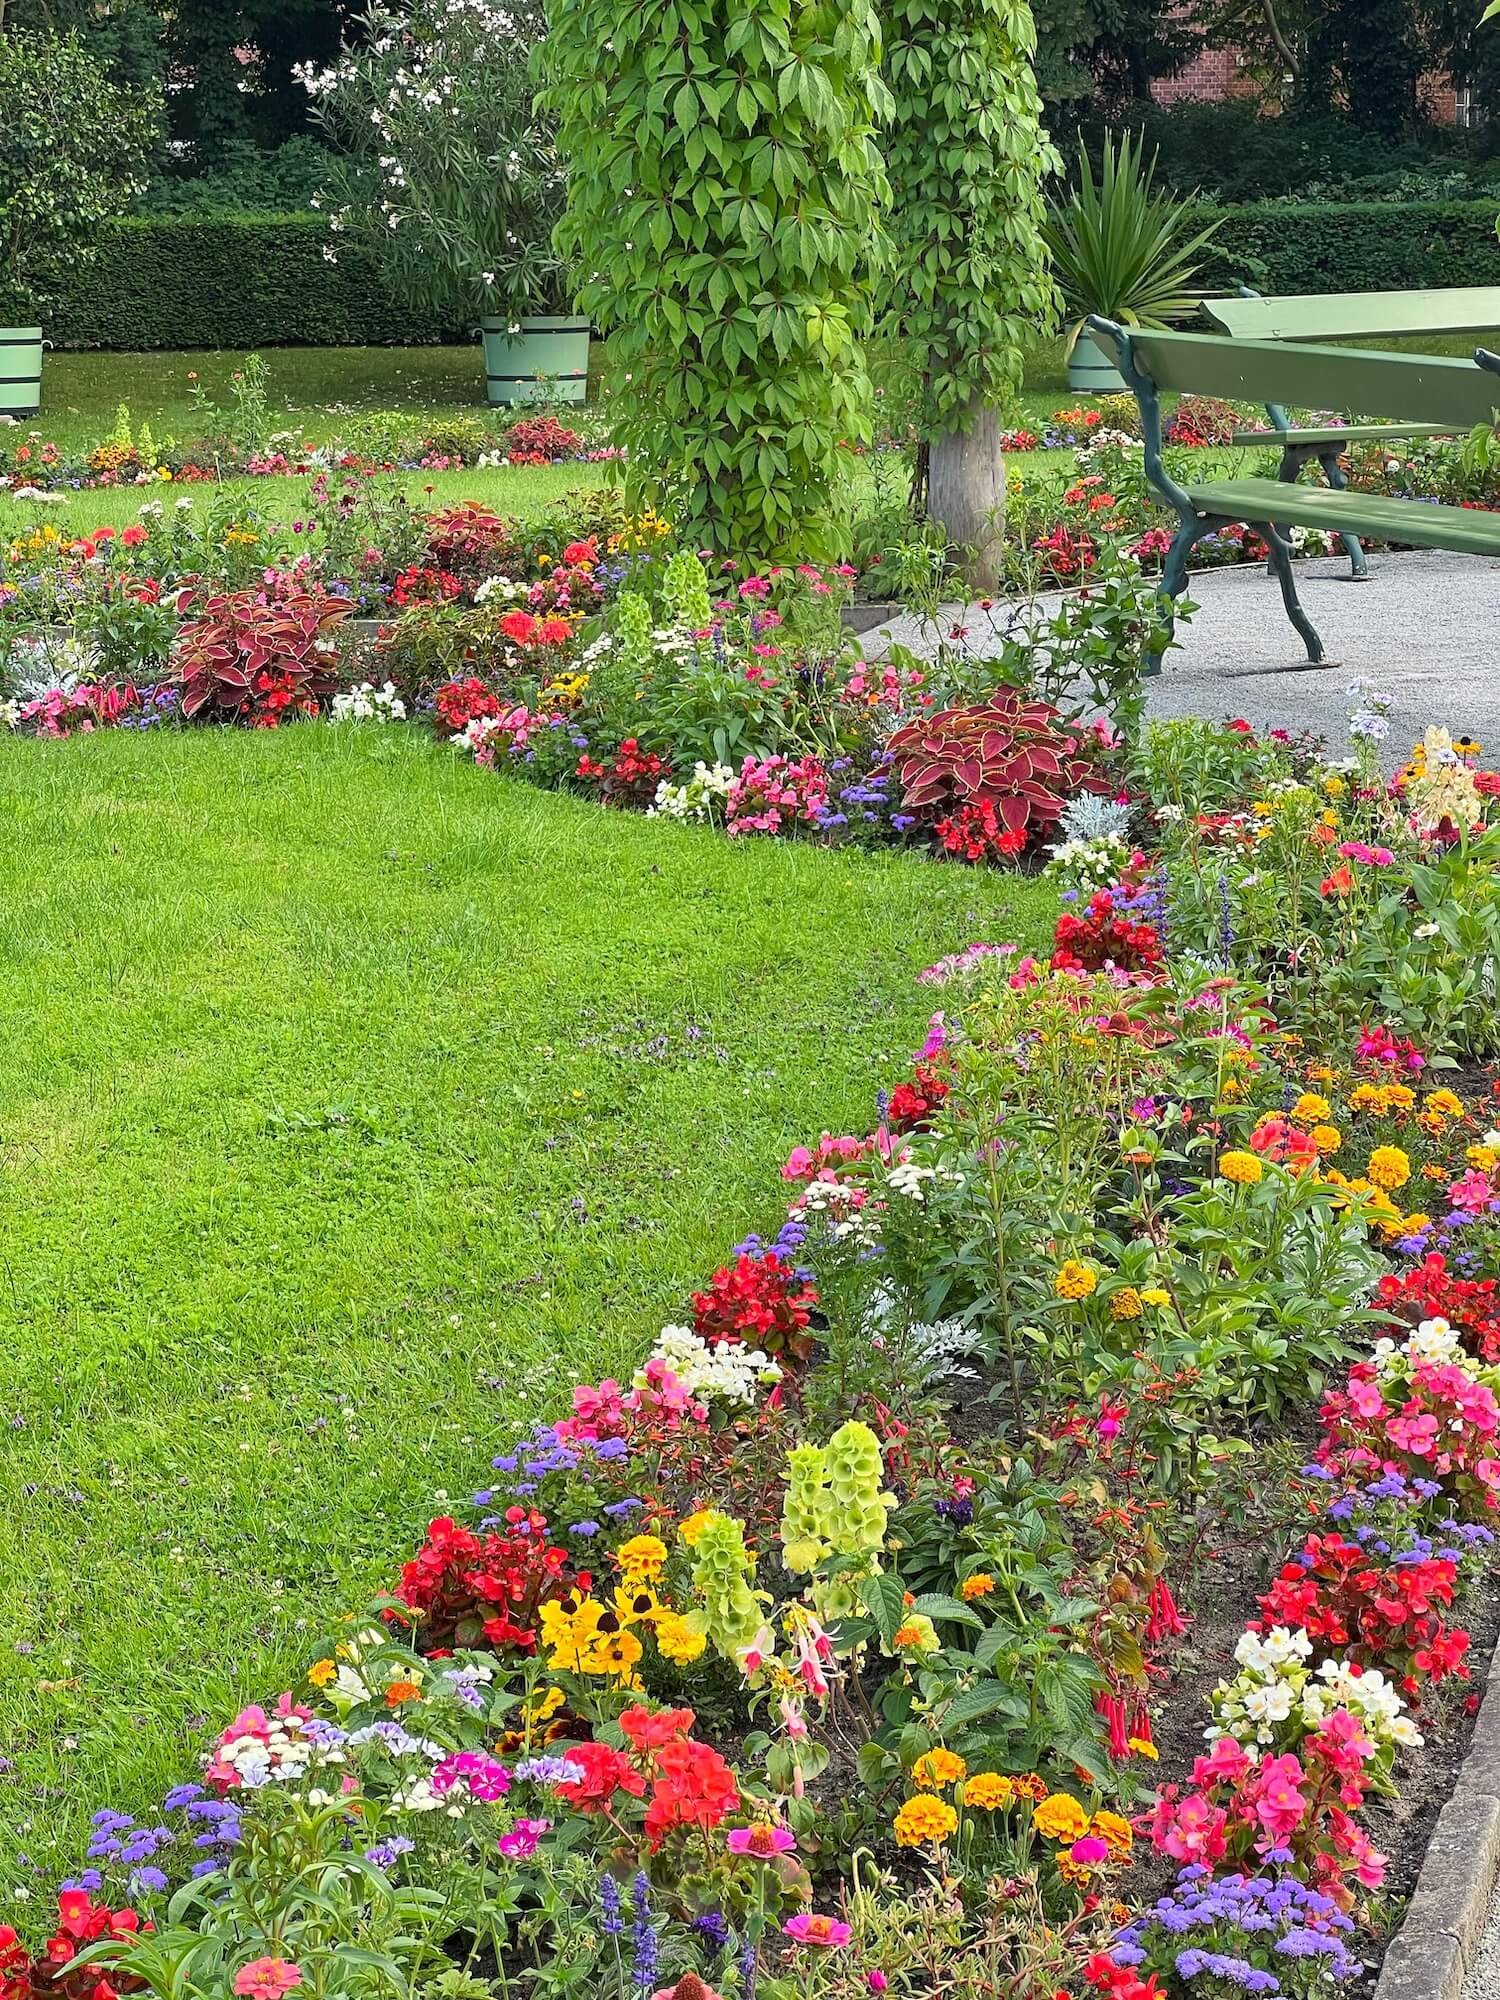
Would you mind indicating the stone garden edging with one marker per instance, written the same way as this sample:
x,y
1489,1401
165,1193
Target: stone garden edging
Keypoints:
x,y
1431,1955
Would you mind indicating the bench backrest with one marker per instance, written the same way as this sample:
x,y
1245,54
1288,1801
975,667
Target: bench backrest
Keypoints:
x,y
1432,389
1358,315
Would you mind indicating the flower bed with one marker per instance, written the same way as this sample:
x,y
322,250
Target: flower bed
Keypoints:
x,y
829,1654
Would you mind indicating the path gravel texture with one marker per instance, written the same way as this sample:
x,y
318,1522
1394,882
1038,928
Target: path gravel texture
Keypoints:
x,y
1483,1981
1425,628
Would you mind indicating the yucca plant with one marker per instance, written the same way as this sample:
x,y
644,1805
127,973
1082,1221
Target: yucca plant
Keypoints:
x,y
1120,248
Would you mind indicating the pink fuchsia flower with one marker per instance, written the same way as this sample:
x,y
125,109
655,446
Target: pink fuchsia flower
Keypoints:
x,y
761,1840
1111,1416
267,1979
809,1928
524,1838
1089,1851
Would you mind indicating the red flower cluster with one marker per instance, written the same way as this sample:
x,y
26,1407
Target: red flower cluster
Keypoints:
x,y
1429,1290
457,1576
15,1966
629,778
760,1301
1119,1982
425,584
524,628
912,1104
461,702
1388,1615
1099,938
976,832
81,1922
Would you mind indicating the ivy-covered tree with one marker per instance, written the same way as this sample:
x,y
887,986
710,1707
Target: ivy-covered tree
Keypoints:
x,y
966,157
723,214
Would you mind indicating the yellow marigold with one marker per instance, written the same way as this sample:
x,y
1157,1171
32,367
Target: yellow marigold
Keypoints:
x,y
693,1526
1334,786
980,1584
1310,1109
1075,1280
1231,1089
938,1769
1079,1873
677,1641
1328,816
1433,1123
321,1672
1482,1158
1321,1073
1061,1817
642,1556
1366,1097
1388,1167
1143,1748
1125,1303
1327,1138
1156,1295
1398,1097
1033,1786
988,1791
922,1819
1242,1168
1445,1102
1115,1832
1416,1222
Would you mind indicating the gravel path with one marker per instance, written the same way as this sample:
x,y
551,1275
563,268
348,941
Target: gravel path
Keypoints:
x,y
1425,628
1483,1982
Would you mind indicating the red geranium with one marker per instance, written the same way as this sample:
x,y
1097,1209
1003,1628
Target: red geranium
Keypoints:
x,y
693,1787
604,1772
464,701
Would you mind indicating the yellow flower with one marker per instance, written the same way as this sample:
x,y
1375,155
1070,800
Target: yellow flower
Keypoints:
x,y
938,1769
1334,786
545,1706
1241,1168
922,1819
1033,1786
1398,1097
1445,1102
1125,1303
1328,817
676,1640
642,1557
1144,1749
1310,1109
568,1635
321,1672
1389,1167
1327,1138
693,1526
1075,1280
980,1584
988,1791
1433,1123
1482,1158
1366,1097
1156,1295
1061,1817
1115,1832
636,1603
613,1654
1415,1222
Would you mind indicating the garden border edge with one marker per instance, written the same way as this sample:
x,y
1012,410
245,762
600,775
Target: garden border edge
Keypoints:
x,y
1432,1954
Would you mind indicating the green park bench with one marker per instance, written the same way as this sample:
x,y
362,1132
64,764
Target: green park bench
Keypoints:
x,y
1454,395
1347,316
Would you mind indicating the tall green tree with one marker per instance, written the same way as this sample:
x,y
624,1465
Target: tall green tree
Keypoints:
x,y
724,200
966,157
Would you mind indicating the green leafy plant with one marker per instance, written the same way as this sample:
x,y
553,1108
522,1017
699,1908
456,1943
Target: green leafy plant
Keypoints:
x,y
1120,248
723,208
73,147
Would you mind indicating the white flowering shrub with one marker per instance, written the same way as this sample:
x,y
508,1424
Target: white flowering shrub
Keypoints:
x,y
443,163
730,1373
368,703
700,797
1276,1694
1089,864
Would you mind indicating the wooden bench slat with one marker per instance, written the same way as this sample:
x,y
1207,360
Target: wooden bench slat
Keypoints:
x,y
1469,530
1435,388
1359,315
1337,432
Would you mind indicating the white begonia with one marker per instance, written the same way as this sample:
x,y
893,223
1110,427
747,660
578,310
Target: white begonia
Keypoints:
x,y
732,1373
1434,1344
368,703
697,798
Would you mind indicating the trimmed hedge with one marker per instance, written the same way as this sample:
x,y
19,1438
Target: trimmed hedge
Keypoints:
x,y
244,281
234,281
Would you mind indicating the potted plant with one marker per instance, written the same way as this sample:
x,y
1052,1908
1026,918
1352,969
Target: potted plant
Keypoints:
x,y
1122,250
447,170
73,147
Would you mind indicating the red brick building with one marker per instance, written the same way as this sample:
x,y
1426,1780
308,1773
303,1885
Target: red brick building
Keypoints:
x,y
1214,76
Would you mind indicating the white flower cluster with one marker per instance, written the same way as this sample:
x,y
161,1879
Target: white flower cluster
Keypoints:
x,y
843,1218
1275,1686
700,797
1367,1695
909,1178
1433,1345
10,715
368,703
732,1373
282,1756
1369,718
498,586
1105,439
1089,864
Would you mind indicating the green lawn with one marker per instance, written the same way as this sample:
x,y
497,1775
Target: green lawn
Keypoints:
x,y
354,1103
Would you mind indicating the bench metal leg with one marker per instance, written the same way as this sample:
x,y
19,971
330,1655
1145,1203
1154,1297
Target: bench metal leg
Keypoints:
x,y
1281,562
1191,528
1359,569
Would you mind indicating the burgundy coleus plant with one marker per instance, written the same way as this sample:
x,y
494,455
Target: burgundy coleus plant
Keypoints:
x,y
1007,752
255,655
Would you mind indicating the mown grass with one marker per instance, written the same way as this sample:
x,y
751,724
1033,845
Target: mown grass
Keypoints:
x,y
353,1103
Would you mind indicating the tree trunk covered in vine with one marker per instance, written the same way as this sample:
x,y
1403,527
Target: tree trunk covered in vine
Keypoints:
x,y
966,493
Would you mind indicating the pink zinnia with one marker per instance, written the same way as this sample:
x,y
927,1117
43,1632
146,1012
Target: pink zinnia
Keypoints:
x,y
267,1978
808,1928
1089,1851
762,1840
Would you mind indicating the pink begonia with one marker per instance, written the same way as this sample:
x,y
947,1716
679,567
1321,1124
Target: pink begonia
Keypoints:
x,y
1416,1434
1366,1397
774,793
598,1412
803,1165
664,1394
1279,1803
1227,1763
1473,1193
1189,1829
1343,1744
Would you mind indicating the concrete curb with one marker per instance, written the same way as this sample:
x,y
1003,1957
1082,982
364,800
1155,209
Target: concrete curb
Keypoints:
x,y
1431,1955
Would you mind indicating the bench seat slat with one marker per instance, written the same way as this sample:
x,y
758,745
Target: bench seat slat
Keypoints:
x,y
1468,530
1335,432
1359,315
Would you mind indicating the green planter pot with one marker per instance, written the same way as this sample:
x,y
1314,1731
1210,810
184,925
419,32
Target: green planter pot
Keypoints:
x,y
20,371
547,361
1089,373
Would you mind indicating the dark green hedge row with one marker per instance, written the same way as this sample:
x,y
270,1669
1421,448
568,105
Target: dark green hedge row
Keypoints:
x,y
257,281
1355,246
233,281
